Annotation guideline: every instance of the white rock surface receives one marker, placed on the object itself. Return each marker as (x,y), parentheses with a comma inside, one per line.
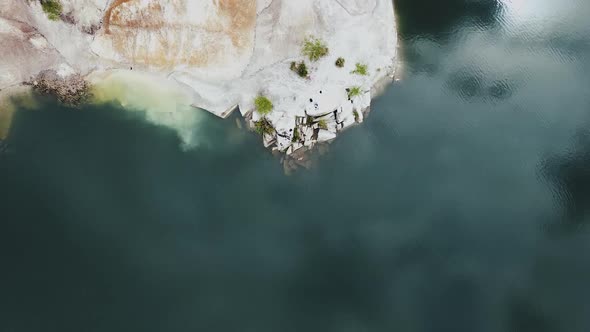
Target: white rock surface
(22,53)
(226,51)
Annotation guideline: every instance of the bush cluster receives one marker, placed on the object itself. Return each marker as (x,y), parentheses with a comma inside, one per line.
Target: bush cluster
(300,69)
(263,105)
(314,48)
(361,69)
(52,8)
(264,127)
(354,91)
(296,136)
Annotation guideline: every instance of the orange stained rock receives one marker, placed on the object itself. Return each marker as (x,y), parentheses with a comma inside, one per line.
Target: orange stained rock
(142,34)
(108,12)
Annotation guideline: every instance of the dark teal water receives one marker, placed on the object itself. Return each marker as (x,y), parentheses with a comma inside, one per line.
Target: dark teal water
(460,205)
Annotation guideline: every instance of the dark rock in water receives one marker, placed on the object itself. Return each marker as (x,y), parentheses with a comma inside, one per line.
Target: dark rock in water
(70,90)
(288,168)
(323,149)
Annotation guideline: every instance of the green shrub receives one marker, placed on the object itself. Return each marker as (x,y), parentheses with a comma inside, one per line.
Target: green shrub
(354,91)
(264,127)
(323,124)
(361,69)
(52,8)
(296,136)
(314,48)
(263,105)
(356,116)
(302,69)
(340,62)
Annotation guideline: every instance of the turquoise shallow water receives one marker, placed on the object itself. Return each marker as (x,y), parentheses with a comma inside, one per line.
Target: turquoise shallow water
(461,204)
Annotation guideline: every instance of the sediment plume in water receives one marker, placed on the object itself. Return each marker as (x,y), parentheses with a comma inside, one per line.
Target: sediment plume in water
(10,100)
(164,104)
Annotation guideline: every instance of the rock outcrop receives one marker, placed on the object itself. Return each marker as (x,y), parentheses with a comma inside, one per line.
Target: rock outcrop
(24,52)
(69,88)
(225,53)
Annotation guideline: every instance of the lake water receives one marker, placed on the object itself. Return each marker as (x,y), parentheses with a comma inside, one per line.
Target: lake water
(461,204)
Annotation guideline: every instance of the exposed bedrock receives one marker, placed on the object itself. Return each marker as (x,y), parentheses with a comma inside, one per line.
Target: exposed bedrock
(72,89)
(223,53)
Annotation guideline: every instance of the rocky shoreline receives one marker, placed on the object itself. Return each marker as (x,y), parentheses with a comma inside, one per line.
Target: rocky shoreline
(318,76)
(71,90)
(312,133)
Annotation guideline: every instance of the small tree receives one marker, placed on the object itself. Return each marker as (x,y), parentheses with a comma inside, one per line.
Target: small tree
(314,48)
(340,62)
(361,69)
(263,105)
(296,136)
(52,8)
(299,68)
(354,91)
(323,124)
(264,127)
